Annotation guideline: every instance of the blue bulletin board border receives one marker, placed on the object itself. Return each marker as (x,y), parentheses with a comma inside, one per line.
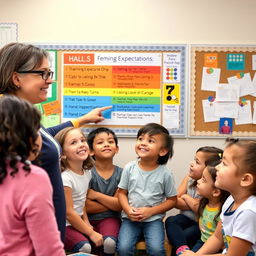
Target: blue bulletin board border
(130,131)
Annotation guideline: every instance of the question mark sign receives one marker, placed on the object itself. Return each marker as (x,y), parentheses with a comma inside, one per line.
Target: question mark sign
(171,88)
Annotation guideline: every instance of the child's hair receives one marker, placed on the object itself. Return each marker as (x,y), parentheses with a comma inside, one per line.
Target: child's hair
(245,160)
(91,136)
(19,125)
(154,129)
(213,154)
(61,138)
(223,194)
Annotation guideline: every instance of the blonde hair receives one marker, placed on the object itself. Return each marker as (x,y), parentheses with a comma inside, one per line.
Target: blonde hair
(61,138)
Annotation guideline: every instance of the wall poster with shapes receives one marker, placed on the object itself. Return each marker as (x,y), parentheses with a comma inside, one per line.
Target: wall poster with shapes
(222,91)
(142,83)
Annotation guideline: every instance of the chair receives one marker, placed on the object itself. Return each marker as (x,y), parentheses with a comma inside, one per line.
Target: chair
(141,246)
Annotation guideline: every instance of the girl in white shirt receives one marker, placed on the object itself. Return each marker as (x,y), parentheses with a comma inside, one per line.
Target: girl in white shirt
(75,165)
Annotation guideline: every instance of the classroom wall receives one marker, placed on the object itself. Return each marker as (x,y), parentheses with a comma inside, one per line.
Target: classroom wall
(137,22)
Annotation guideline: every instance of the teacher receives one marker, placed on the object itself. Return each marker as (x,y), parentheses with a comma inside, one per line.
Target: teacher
(25,72)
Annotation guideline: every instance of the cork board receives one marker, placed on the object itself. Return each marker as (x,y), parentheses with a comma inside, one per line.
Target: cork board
(198,127)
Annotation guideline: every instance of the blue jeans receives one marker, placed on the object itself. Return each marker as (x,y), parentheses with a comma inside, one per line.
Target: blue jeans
(181,230)
(131,232)
(198,245)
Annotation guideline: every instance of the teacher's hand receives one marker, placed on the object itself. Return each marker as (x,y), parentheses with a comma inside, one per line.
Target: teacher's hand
(94,116)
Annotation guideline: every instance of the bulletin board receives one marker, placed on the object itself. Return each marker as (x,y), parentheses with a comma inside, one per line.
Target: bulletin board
(234,71)
(142,83)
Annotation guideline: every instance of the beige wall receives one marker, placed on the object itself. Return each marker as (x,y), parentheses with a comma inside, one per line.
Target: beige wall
(136,22)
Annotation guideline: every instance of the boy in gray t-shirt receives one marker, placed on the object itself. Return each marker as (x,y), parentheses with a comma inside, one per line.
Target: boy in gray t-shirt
(102,203)
(146,192)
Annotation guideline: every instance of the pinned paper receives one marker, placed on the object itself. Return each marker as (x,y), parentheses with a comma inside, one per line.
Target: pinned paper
(211,60)
(208,110)
(226,125)
(245,83)
(253,62)
(227,109)
(244,113)
(235,61)
(53,107)
(227,92)
(210,78)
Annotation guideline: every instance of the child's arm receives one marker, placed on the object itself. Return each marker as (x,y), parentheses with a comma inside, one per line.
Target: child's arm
(110,202)
(94,206)
(212,245)
(238,247)
(193,203)
(146,212)
(131,212)
(182,189)
(77,222)
(181,204)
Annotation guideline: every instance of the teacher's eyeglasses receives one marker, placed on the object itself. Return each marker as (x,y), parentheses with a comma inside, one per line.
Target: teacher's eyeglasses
(44,73)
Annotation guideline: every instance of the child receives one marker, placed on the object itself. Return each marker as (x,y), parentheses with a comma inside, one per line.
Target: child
(75,165)
(183,229)
(210,204)
(102,204)
(147,191)
(237,227)
(27,224)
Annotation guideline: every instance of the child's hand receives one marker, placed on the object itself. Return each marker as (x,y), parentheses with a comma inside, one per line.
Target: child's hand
(184,196)
(92,194)
(133,214)
(97,238)
(188,253)
(144,213)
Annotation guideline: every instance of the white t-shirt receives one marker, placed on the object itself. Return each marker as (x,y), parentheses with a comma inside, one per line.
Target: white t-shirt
(79,185)
(240,223)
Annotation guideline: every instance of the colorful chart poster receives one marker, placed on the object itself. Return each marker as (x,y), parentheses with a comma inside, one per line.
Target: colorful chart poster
(128,81)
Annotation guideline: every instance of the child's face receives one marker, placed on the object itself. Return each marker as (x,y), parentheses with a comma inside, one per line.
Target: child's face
(104,146)
(150,146)
(197,166)
(205,185)
(75,147)
(228,177)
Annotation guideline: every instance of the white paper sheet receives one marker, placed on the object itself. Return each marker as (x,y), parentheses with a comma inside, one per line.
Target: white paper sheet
(171,115)
(210,81)
(208,110)
(245,83)
(244,114)
(226,109)
(227,92)
(254,113)
(254,84)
